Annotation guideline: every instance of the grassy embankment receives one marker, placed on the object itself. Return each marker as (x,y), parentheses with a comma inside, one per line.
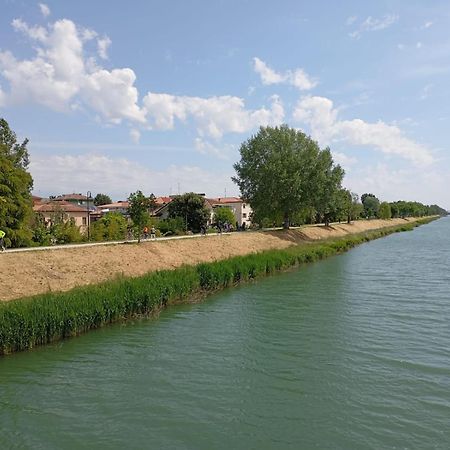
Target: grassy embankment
(46,318)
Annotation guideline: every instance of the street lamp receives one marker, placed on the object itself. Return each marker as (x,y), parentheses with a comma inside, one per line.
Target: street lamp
(88,197)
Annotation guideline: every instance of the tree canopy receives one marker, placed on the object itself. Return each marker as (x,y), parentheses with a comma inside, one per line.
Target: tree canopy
(371,205)
(191,208)
(102,199)
(282,171)
(138,211)
(15,188)
(223,215)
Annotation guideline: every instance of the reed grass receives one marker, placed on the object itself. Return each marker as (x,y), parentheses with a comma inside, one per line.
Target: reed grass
(42,319)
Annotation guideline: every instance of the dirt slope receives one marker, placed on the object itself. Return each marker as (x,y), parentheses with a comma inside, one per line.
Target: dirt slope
(30,273)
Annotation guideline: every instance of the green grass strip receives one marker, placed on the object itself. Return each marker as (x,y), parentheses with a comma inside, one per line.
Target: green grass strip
(42,319)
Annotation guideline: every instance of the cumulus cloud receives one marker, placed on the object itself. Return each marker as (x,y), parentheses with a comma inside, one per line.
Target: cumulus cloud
(343,159)
(65,75)
(102,46)
(120,176)
(298,77)
(212,116)
(373,24)
(322,118)
(60,76)
(45,10)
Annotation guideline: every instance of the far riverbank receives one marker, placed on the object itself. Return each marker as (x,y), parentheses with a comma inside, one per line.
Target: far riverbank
(32,273)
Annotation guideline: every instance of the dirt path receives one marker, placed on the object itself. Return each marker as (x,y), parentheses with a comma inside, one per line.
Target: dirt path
(29,273)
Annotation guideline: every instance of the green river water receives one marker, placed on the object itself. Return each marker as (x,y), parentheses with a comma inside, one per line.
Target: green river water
(348,353)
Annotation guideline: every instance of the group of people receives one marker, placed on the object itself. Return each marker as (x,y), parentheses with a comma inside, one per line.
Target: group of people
(152,233)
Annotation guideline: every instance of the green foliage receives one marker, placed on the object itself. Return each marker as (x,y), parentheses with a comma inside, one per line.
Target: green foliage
(343,206)
(191,208)
(15,188)
(415,209)
(357,209)
(46,318)
(41,232)
(371,205)
(282,170)
(169,227)
(223,215)
(385,211)
(111,227)
(102,199)
(65,232)
(138,211)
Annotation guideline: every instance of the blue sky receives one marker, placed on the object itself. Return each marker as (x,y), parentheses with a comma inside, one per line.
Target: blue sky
(159,95)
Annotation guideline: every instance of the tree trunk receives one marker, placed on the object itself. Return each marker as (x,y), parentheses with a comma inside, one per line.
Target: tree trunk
(286,222)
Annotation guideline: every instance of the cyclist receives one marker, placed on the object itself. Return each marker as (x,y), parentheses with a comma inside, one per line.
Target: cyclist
(2,240)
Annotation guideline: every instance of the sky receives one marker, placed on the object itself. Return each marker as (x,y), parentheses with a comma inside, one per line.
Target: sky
(159,95)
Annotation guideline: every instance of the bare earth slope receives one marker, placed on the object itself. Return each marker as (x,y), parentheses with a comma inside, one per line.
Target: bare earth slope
(30,273)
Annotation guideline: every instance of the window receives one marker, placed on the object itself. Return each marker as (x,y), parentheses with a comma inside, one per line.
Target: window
(84,221)
(243,205)
(244,215)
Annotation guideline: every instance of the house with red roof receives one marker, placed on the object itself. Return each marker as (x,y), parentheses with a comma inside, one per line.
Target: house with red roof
(63,210)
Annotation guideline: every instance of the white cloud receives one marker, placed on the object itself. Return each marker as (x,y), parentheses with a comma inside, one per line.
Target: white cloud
(322,118)
(213,116)
(102,47)
(298,78)
(62,77)
(207,148)
(120,176)
(373,24)
(113,94)
(135,135)
(45,10)
(344,160)
(391,184)
(419,45)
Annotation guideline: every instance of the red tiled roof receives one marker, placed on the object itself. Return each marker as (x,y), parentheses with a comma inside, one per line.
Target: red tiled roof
(163,200)
(71,197)
(54,206)
(223,200)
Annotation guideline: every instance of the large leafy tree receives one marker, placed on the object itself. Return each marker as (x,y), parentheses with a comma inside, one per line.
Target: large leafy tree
(282,171)
(191,208)
(111,227)
(371,205)
(138,211)
(102,199)
(15,188)
(223,215)
(385,211)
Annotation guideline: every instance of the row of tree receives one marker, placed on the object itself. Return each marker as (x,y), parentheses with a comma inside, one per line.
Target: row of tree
(284,175)
(287,178)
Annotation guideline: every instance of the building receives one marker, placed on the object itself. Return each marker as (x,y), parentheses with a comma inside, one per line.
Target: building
(120,207)
(241,209)
(63,210)
(75,199)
